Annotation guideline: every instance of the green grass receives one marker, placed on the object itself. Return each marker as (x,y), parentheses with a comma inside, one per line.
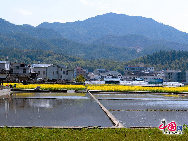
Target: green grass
(20,134)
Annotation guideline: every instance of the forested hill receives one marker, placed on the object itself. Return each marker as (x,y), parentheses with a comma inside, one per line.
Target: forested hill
(28,30)
(162,60)
(30,56)
(105,41)
(141,44)
(116,25)
(176,60)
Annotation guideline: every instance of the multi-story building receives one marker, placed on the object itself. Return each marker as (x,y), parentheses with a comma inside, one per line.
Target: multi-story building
(80,71)
(174,76)
(4,70)
(41,70)
(53,72)
(19,72)
(65,74)
(19,69)
(4,66)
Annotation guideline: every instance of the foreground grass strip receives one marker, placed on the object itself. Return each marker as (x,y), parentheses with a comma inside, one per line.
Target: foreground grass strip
(20,134)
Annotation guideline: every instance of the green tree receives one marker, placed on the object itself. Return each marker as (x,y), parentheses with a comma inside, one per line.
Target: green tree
(80,79)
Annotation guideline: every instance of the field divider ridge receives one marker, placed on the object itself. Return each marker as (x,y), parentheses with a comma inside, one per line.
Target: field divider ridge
(115,122)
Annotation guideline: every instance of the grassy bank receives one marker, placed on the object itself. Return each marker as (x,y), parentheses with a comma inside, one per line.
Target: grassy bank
(86,134)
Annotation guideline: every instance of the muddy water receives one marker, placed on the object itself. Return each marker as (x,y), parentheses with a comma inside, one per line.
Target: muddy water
(146,109)
(51,109)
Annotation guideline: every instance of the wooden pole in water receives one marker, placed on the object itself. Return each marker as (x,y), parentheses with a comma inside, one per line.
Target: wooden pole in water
(111,117)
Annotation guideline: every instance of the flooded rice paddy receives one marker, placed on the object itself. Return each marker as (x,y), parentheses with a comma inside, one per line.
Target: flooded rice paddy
(73,109)
(144,110)
(51,109)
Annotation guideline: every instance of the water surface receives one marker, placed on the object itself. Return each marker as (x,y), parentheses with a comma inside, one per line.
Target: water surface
(51,109)
(146,109)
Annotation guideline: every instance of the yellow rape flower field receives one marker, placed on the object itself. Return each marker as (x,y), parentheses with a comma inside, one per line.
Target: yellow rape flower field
(136,88)
(118,88)
(47,86)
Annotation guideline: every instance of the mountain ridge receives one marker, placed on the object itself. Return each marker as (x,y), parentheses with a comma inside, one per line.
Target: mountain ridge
(116,24)
(105,37)
(10,28)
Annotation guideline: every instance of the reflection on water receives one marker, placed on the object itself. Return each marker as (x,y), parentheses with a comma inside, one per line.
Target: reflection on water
(44,103)
(51,95)
(146,109)
(51,110)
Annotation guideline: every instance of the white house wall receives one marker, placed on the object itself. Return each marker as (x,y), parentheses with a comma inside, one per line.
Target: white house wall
(41,72)
(52,72)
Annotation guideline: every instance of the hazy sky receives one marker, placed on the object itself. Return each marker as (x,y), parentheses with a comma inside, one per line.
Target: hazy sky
(34,12)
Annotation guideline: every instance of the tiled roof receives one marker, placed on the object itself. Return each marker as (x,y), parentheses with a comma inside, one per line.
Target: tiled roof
(40,65)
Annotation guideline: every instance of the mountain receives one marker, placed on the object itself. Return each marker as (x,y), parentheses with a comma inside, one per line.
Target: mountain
(28,37)
(175,60)
(34,38)
(66,47)
(106,39)
(113,24)
(141,44)
(9,28)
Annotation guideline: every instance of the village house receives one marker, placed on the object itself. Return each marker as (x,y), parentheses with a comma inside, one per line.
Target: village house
(52,72)
(65,74)
(93,77)
(140,73)
(144,76)
(41,70)
(19,72)
(4,70)
(99,71)
(137,69)
(80,71)
(174,76)
(17,68)
(4,66)
(101,74)
(113,74)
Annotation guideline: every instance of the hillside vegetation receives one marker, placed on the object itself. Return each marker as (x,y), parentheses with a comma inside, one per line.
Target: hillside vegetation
(176,60)
(105,41)
(117,25)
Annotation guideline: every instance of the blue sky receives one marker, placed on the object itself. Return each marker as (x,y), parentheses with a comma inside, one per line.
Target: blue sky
(34,12)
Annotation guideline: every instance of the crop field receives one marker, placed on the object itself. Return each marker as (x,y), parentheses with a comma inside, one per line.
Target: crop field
(136,88)
(48,86)
(115,88)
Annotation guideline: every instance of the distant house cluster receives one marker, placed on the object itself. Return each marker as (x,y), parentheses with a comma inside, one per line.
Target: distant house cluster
(139,75)
(105,75)
(149,74)
(20,72)
(16,72)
